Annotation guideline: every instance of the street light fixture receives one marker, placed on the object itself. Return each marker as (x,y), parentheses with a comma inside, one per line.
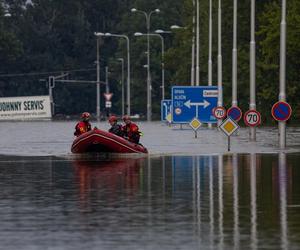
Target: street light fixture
(128,66)
(163,32)
(174,27)
(149,87)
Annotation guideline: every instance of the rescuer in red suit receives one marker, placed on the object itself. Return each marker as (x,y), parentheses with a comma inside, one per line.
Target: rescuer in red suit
(84,125)
(116,128)
(130,130)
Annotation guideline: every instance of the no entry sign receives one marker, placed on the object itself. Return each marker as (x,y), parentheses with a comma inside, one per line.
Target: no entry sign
(234,113)
(219,112)
(252,118)
(281,111)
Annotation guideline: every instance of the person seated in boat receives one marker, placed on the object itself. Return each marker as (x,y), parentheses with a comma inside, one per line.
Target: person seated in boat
(84,125)
(131,130)
(116,128)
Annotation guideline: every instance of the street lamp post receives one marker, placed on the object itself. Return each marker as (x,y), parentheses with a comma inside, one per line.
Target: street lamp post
(159,32)
(210,50)
(282,84)
(252,105)
(234,56)
(162,58)
(210,45)
(193,48)
(149,87)
(122,84)
(197,43)
(128,67)
(107,91)
(220,87)
(98,35)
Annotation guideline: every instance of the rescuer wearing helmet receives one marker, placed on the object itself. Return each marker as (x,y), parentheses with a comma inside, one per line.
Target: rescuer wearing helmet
(115,127)
(84,125)
(130,130)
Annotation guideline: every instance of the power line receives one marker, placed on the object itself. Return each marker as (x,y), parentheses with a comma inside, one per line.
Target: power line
(45,73)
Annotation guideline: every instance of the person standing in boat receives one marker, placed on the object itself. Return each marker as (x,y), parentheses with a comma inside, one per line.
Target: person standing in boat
(131,130)
(84,125)
(116,128)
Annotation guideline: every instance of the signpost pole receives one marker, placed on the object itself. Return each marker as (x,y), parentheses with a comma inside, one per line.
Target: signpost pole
(252,105)
(234,56)
(228,143)
(282,87)
(98,81)
(51,83)
(197,44)
(220,93)
(107,89)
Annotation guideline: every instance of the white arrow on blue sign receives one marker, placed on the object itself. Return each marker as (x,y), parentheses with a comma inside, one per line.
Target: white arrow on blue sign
(189,102)
(165,109)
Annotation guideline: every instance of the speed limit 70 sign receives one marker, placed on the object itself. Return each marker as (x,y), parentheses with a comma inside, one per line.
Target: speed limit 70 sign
(252,118)
(219,112)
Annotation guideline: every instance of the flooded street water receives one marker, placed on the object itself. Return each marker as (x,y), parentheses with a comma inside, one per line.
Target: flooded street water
(178,197)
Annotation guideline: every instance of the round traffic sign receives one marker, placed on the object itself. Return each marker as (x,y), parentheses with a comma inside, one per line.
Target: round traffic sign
(235,113)
(252,118)
(178,111)
(281,111)
(219,112)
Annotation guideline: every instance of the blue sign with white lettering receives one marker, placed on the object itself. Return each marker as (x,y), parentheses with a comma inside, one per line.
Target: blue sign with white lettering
(189,102)
(165,109)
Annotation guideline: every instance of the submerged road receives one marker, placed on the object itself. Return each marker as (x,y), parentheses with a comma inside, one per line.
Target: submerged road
(55,138)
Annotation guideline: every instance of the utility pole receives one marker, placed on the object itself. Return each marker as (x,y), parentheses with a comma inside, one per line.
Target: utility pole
(234,56)
(252,105)
(197,44)
(220,84)
(107,89)
(282,85)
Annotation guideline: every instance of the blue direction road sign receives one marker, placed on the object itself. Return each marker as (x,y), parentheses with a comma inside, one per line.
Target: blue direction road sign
(189,102)
(165,109)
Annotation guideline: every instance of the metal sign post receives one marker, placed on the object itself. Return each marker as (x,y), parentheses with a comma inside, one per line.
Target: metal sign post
(282,75)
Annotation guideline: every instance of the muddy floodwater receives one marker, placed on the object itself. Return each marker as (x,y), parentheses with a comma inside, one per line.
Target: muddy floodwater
(188,193)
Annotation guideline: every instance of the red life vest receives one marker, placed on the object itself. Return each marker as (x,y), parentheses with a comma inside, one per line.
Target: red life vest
(82,127)
(131,131)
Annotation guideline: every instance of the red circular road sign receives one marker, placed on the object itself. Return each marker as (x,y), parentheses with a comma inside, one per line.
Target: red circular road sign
(281,111)
(252,118)
(219,112)
(234,113)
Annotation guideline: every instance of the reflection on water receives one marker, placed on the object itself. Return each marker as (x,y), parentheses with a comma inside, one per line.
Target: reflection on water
(208,202)
(107,176)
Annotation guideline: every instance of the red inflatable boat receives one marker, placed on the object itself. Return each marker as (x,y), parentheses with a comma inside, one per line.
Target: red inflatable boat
(101,141)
